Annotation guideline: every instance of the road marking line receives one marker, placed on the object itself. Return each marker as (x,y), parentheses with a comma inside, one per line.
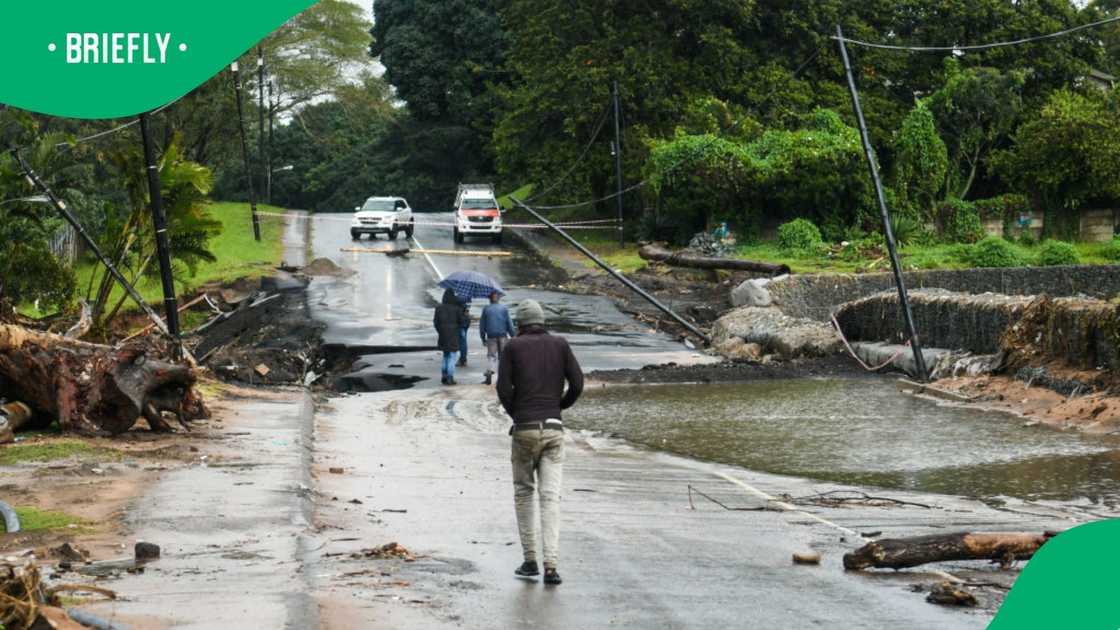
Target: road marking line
(786,506)
(439,274)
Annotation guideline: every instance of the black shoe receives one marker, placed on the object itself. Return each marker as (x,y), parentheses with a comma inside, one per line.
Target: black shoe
(527,570)
(444,380)
(451,380)
(487,381)
(461,363)
(551,576)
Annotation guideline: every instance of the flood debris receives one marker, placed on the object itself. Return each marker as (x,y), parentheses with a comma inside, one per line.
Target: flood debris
(26,603)
(948,594)
(901,553)
(95,389)
(809,558)
(8,516)
(838,498)
(657,253)
(145,551)
(385,552)
(13,415)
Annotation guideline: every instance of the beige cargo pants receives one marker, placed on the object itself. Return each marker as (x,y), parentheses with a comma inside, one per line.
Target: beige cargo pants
(538,462)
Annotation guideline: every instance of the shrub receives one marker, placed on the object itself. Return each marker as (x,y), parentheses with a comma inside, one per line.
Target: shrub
(993,251)
(799,235)
(959,221)
(1027,239)
(906,229)
(1055,253)
(1111,251)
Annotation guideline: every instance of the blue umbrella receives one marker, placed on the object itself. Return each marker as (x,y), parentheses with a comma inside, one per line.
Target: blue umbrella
(468,285)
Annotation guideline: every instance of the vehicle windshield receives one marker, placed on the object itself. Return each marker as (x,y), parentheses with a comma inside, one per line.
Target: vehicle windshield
(378,205)
(479,204)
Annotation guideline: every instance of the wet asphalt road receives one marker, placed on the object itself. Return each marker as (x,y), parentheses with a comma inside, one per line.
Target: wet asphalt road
(391,300)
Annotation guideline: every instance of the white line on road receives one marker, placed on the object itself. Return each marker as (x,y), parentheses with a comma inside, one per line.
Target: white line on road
(788,507)
(439,274)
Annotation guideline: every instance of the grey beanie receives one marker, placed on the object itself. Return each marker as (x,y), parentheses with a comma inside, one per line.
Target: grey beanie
(529,312)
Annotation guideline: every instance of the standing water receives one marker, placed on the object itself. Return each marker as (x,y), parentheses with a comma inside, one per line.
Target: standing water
(858,431)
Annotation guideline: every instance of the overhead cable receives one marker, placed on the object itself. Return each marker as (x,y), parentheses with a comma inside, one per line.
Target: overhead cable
(964,47)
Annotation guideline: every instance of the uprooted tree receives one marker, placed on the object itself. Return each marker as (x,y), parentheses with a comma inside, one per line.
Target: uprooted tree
(95,389)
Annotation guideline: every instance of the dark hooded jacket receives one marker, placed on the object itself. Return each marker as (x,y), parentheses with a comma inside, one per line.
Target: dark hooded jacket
(450,318)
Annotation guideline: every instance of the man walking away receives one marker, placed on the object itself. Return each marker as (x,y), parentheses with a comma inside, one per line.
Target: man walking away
(496,329)
(450,318)
(463,332)
(531,376)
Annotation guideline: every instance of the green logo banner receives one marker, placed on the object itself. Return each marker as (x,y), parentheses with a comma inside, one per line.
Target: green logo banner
(1068,583)
(83,59)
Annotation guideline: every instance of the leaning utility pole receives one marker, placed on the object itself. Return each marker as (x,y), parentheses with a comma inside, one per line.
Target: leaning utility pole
(618,163)
(896,265)
(159,223)
(245,151)
(60,207)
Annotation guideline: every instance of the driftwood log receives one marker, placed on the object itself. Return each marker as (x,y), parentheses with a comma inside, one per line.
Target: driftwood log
(901,553)
(94,389)
(659,254)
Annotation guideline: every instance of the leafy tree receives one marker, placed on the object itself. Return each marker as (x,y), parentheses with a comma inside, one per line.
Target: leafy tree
(921,161)
(1067,156)
(976,110)
(129,237)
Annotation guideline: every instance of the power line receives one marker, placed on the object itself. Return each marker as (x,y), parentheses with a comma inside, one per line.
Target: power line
(1015,42)
(645,182)
(578,160)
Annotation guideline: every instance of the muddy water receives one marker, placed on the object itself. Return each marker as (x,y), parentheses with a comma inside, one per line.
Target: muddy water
(859,431)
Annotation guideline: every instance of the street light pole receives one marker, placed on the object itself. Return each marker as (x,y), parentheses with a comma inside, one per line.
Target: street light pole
(618,163)
(260,116)
(159,223)
(271,112)
(245,151)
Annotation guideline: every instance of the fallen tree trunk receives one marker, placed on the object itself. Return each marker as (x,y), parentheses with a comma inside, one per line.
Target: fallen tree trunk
(94,389)
(901,553)
(660,254)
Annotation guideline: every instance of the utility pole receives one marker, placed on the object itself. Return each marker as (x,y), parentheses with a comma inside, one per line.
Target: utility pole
(618,162)
(60,207)
(896,265)
(245,151)
(159,223)
(268,154)
(260,116)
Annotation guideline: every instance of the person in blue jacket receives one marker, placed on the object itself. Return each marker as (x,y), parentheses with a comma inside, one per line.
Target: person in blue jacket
(496,329)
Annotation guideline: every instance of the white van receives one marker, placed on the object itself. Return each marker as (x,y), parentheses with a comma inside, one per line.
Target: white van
(477,213)
(382,215)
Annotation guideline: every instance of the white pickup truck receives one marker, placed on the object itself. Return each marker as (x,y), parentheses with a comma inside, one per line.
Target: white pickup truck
(477,213)
(382,215)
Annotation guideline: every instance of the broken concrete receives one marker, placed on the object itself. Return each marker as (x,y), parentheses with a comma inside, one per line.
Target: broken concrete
(751,293)
(777,333)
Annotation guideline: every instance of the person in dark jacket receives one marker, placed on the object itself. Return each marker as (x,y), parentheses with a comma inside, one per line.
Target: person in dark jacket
(532,372)
(463,333)
(449,319)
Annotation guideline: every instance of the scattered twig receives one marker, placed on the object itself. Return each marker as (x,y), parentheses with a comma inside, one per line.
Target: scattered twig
(70,588)
(830,499)
(723,505)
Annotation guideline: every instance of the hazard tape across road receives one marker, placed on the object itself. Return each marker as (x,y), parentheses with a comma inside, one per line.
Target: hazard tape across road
(595,224)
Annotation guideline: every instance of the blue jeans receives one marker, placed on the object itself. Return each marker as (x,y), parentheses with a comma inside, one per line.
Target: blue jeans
(449,364)
(463,342)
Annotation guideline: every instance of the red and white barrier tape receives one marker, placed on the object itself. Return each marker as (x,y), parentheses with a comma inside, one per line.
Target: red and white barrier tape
(596,224)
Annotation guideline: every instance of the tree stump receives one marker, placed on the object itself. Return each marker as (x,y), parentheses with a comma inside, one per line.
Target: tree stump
(94,389)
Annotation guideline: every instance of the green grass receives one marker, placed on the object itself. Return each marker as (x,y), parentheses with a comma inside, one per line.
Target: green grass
(521,193)
(914,257)
(604,244)
(33,519)
(53,450)
(238,255)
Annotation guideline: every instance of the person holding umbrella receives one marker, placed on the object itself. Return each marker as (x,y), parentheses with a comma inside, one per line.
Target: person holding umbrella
(468,285)
(449,319)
